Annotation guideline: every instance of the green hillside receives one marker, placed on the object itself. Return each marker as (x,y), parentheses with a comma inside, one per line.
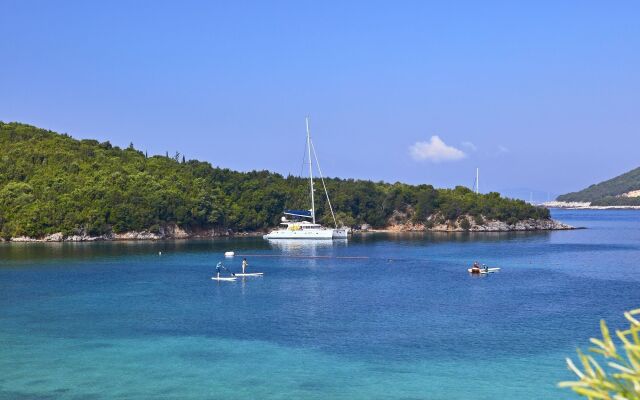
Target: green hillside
(608,193)
(51,183)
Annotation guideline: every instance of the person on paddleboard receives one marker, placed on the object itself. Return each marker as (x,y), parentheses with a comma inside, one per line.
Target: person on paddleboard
(244,264)
(220,267)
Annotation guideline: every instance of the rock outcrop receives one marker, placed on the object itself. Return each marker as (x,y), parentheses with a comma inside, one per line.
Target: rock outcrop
(469,224)
(167,232)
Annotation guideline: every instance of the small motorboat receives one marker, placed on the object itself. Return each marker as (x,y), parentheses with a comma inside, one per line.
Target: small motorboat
(476,269)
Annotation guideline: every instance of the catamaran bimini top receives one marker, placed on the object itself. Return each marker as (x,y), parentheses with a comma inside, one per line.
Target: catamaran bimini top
(299,213)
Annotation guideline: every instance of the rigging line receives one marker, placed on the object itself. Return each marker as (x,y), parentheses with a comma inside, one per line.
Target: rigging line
(304,157)
(323,185)
(293,180)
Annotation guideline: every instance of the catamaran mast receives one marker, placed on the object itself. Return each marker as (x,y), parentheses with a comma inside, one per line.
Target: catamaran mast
(313,206)
(477,180)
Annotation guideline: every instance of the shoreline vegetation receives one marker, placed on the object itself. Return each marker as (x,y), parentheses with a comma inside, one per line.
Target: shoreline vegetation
(57,188)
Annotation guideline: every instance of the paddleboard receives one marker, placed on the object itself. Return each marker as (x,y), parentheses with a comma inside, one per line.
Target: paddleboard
(483,271)
(224,278)
(250,274)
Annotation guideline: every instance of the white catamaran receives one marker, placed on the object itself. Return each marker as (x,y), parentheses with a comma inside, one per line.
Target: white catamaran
(296,224)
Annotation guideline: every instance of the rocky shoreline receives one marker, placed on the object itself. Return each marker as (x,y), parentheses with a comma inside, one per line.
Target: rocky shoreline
(486,226)
(173,232)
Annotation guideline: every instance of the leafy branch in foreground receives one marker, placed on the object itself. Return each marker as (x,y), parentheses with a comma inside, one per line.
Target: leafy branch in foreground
(619,379)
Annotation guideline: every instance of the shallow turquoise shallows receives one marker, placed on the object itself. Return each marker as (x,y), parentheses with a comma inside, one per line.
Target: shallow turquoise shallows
(120,321)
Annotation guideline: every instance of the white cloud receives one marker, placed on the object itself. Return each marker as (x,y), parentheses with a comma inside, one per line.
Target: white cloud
(502,149)
(435,150)
(470,146)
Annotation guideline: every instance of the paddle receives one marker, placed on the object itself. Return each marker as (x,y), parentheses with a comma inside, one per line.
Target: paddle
(227,269)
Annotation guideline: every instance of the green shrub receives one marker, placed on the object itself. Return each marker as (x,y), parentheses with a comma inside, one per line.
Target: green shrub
(465,224)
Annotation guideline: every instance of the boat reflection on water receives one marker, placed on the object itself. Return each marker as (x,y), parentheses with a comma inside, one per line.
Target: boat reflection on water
(307,247)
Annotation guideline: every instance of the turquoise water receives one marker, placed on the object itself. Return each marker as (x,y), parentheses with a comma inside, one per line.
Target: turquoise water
(116,320)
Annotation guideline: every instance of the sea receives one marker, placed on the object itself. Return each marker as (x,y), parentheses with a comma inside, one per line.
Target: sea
(382,316)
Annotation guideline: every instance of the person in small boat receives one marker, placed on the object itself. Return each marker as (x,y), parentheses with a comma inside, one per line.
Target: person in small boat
(475,267)
(245,264)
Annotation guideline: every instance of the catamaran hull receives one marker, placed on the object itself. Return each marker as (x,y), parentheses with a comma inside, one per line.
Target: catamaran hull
(340,233)
(315,234)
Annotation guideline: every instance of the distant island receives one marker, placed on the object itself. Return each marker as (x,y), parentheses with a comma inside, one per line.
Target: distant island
(54,187)
(623,191)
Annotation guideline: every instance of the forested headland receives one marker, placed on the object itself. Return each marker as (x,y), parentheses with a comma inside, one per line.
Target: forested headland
(623,190)
(51,183)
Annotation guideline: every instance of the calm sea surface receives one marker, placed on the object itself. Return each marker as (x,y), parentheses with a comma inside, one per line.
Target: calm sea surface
(116,320)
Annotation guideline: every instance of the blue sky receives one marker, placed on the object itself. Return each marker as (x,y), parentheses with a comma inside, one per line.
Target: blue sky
(542,96)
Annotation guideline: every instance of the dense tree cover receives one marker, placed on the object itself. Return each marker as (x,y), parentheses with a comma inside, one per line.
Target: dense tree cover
(608,192)
(617,201)
(53,183)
